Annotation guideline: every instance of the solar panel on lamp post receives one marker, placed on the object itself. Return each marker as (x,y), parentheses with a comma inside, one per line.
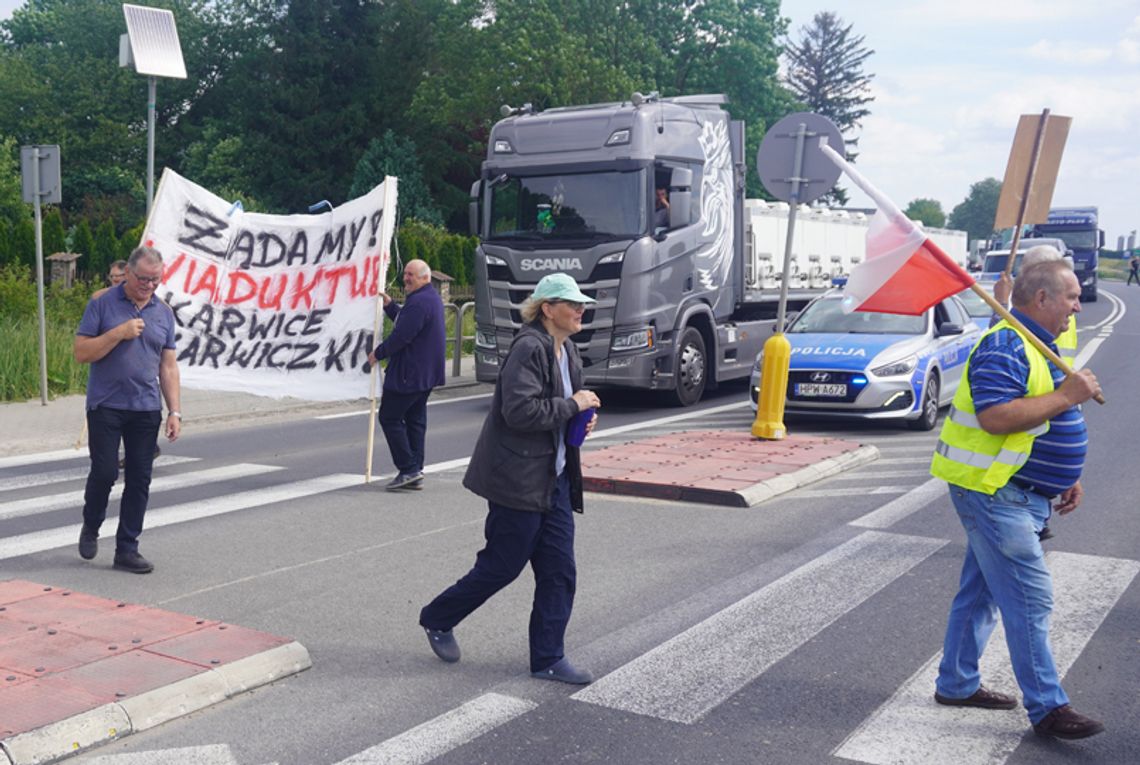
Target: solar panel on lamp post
(151,45)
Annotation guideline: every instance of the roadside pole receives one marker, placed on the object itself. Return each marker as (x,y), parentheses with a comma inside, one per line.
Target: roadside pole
(39,167)
(811,176)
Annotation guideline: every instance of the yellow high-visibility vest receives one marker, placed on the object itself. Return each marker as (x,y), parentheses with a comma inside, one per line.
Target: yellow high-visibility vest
(1067,342)
(968,456)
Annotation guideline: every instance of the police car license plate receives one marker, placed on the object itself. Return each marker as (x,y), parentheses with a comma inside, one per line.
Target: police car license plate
(835,390)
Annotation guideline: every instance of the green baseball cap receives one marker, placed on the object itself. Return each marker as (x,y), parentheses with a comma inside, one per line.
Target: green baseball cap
(559,287)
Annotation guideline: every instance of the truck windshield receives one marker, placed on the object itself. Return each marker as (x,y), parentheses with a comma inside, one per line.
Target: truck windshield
(1076,240)
(590,206)
(827,315)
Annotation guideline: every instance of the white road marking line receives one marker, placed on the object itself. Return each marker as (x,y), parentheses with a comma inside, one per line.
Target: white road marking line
(35,505)
(816,493)
(856,475)
(363,412)
(910,729)
(49,539)
(687,676)
(19,460)
(897,509)
(212,754)
(449,731)
(922,459)
(72,474)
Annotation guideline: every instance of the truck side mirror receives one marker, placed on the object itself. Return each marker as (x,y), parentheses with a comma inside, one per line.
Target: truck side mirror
(1101,238)
(680,203)
(680,197)
(473,209)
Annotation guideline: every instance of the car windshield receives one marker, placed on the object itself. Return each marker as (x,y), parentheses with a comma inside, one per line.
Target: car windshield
(827,315)
(590,206)
(975,305)
(995,262)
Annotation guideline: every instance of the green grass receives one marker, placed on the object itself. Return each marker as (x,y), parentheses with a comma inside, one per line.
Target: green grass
(20,360)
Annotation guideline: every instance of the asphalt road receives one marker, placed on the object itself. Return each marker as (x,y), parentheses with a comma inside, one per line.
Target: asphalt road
(798,631)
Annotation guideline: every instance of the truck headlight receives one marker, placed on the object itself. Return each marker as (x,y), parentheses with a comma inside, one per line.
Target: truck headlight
(759,362)
(484,338)
(493,261)
(631,341)
(895,368)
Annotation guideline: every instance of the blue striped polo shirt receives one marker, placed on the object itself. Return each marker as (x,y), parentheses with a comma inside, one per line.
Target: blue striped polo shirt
(999,373)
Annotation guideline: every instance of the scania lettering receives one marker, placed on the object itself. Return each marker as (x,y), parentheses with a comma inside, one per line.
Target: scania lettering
(550,264)
(687,291)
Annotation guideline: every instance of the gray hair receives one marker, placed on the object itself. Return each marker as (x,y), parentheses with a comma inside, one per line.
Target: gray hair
(117,264)
(1042,253)
(143,252)
(1047,275)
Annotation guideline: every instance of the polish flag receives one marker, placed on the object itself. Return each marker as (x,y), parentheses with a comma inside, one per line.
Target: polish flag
(904,272)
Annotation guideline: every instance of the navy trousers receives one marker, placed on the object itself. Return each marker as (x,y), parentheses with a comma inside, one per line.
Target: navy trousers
(403,418)
(138,432)
(515,537)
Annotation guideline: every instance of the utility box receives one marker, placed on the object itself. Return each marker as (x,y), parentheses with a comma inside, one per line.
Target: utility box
(63,267)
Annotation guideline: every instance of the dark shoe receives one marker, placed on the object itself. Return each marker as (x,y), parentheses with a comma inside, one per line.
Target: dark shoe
(443,644)
(1066,722)
(133,562)
(565,672)
(88,543)
(405,481)
(983,698)
(1045,533)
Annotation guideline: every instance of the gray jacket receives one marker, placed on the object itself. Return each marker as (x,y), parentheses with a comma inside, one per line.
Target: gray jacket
(513,461)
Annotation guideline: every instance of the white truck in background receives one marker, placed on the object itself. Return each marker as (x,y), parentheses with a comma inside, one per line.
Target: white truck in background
(826,244)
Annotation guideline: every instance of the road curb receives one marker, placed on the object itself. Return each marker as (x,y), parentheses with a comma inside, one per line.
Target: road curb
(826,468)
(119,719)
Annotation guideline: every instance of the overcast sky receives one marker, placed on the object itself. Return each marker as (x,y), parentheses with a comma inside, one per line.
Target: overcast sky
(951,79)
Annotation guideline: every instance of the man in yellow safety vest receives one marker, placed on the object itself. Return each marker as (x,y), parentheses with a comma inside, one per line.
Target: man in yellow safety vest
(1014,441)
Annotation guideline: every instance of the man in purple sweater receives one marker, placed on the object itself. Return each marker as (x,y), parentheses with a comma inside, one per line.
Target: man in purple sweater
(415,349)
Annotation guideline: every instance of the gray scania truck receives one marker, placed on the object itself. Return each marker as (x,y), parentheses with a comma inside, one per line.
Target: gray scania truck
(576,190)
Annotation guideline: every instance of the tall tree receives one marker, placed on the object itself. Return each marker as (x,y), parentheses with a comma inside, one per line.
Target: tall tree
(975,214)
(12,207)
(928,211)
(396,155)
(825,72)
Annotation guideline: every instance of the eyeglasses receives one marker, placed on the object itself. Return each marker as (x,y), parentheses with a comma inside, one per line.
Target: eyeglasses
(152,280)
(576,307)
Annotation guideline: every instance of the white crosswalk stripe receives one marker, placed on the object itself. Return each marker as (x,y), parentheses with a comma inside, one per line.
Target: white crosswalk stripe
(59,455)
(684,678)
(435,738)
(32,480)
(32,505)
(39,541)
(910,729)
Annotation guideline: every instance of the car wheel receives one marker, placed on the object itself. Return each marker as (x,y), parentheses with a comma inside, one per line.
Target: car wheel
(928,414)
(689,368)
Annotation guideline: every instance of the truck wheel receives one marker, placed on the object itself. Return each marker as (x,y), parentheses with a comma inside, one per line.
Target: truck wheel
(689,368)
(928,414)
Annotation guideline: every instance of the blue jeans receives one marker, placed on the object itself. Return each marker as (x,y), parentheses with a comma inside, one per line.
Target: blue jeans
(139,432)
(403,418)
(515,537)
(1004,571)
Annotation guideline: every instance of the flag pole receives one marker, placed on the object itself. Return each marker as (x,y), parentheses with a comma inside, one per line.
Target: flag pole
(888,207)
(386,239)
(1038,140)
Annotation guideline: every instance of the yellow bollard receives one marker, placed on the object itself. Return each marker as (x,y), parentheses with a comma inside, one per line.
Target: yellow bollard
(769,422)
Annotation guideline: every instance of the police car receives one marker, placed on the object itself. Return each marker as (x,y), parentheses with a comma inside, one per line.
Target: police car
(875,365)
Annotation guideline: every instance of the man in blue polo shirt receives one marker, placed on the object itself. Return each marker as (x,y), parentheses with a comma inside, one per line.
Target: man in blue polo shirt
(127,336)
(1014,441)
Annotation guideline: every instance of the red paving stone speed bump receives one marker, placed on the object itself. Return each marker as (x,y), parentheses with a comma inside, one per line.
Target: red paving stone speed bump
(78,670)
(718,467)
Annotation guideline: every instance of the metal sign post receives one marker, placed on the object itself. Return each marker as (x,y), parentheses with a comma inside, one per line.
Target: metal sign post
(39,166)
(792,143)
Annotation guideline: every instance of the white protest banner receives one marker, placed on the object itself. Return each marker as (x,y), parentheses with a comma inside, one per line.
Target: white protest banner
(275,305)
